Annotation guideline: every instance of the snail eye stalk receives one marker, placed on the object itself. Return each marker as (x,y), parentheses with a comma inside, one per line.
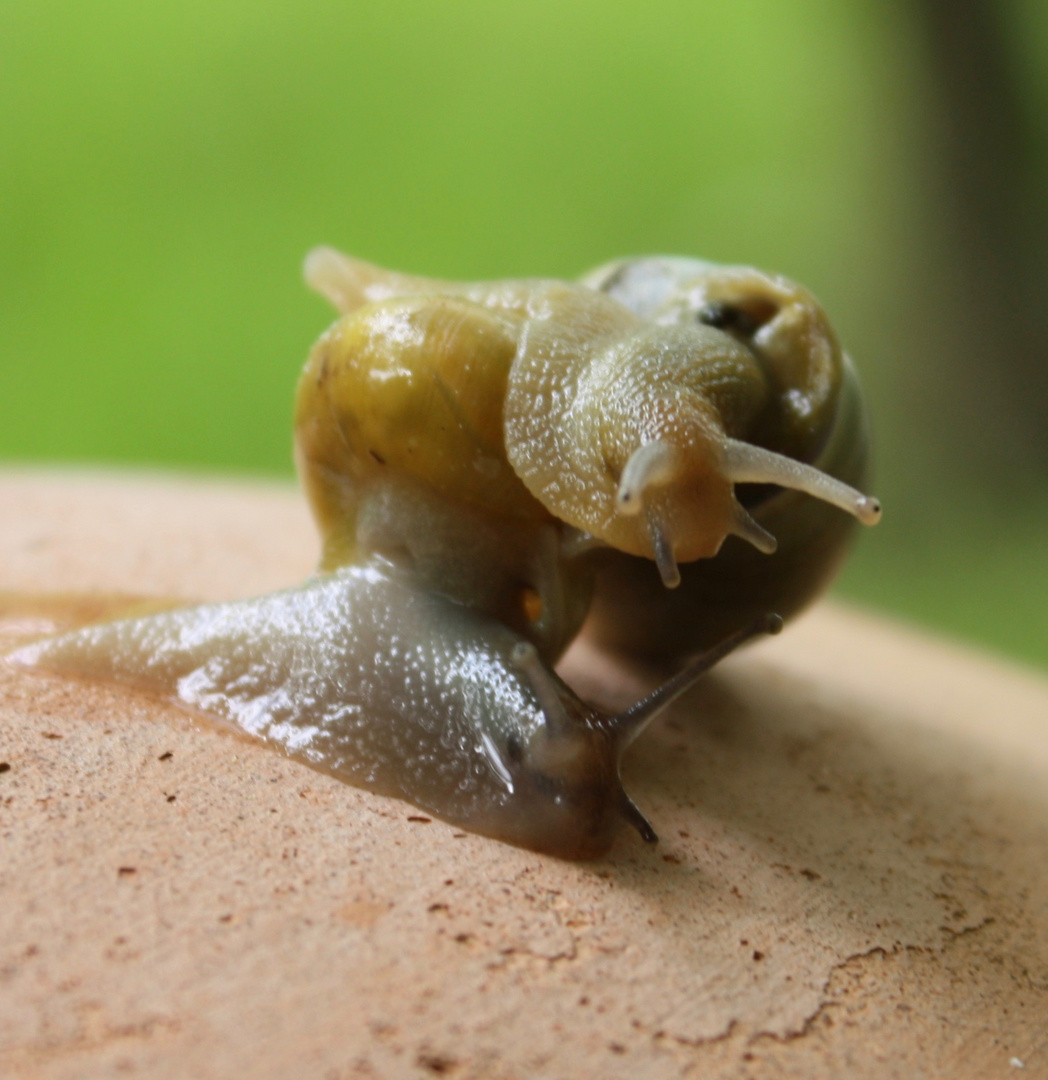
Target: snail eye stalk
(744,463)
(627,725)
(525,658)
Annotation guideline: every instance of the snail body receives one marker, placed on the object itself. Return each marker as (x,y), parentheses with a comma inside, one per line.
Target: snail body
(490,466)
(395,689)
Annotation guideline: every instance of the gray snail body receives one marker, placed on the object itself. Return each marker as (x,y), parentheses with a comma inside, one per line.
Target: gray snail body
(489,466)
(395,689)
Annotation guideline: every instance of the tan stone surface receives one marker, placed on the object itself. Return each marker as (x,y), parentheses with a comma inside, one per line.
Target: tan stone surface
(851,880)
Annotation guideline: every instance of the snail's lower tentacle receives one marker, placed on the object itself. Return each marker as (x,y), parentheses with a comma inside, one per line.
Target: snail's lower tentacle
(662,548)
(629,810)
(748,529)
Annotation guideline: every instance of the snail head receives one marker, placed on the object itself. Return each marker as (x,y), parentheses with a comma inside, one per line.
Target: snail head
(569,769)
(731,380)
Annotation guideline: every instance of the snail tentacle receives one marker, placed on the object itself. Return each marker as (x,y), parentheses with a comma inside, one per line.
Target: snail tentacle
(629,724)
(653,464)
(744,463)
(525,657)
(631,812)
(747,528)
(662,550)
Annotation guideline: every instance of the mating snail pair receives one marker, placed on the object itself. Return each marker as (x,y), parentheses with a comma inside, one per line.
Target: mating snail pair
(490,467)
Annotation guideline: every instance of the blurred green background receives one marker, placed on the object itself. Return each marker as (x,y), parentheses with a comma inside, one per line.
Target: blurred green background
(164,168)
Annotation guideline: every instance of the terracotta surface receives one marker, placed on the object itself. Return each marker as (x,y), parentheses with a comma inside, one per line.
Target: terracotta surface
(851,881)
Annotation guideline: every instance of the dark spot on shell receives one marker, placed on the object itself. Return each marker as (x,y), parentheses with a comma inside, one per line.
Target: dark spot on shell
(378,457)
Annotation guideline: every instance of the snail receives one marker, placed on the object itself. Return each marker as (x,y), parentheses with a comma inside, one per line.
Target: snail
(490,467)
(399,690)
(816,415)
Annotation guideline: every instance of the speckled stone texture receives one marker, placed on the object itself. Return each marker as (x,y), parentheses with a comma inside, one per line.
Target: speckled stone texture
(852,878)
